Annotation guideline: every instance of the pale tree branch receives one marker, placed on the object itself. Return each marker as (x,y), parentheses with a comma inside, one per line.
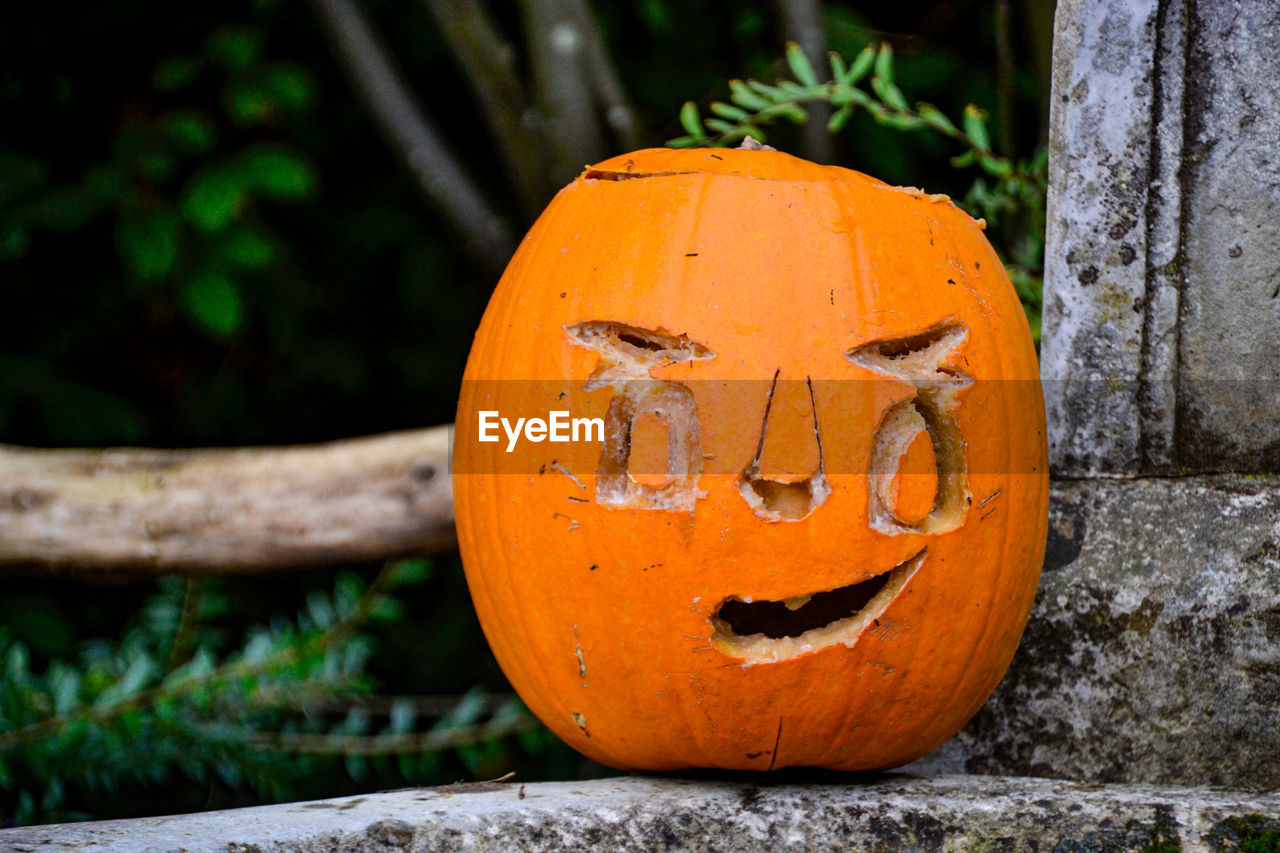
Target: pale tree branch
(802,24)
(612,97)
(414,136)
(567,111)
(1005,69)
(133,511)
(488,61)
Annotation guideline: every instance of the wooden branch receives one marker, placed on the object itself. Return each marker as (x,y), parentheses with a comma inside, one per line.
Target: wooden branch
(612,97)
(564,98)
(802,24)
(488,62)
(134,511)
(414,137)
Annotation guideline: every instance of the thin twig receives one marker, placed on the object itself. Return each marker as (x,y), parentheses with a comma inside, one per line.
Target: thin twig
(612,97)
(488,62)
(414,137)
(184,632)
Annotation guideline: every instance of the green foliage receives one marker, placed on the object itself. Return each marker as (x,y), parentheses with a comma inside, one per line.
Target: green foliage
(184,160)
(1010,197)
(268,707)
(1253,833)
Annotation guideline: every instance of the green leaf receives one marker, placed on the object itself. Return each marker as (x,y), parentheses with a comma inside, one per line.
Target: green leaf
(743,96)
(899,122)
(995,166)
(720,125)
(147,241)
(691,121)
(791,90)
(729,111)
(800,65)
(14,243)
(320,610)
(213,302)
(291,85)
(860,67)
(975,127)
(755,133)
(214,198)
(889,93)
(787,110)
(884,62)
(234,47)
(838,69)
(248,104)
(410,570)
(175,73)
(402,717)
(839,118)
(936,119)
(764,90)
(192,130)
(965,160)
(279,173)
(247,248)
(64,685)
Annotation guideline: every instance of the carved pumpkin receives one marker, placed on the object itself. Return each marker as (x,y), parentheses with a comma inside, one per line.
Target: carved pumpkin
(812,529)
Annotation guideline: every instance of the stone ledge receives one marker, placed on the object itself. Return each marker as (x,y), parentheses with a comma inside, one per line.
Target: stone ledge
(886,812)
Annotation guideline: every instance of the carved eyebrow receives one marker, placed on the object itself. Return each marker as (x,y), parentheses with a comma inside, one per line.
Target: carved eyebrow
(646,345)
(915,356)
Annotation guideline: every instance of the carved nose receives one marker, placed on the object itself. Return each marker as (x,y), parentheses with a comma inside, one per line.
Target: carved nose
(785,480)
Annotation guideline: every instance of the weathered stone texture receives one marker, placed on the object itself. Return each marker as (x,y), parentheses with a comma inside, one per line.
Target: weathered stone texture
(1095,259)
(1153,650)
(1229,336)
(889,813)
(1162,281)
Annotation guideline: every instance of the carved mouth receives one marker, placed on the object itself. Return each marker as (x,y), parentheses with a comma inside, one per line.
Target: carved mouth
(766,631)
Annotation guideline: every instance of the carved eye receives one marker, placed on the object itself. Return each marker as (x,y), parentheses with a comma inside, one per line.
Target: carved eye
(904,466)
(919,475)
(652,452)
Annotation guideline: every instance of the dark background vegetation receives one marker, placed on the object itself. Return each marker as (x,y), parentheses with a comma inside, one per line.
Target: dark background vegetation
(204,241)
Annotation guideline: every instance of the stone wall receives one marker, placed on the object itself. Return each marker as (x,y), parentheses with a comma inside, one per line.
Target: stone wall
(1153,651)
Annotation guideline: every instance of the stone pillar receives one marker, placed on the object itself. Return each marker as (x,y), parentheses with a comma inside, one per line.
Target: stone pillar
(1162,309)
(1153,652)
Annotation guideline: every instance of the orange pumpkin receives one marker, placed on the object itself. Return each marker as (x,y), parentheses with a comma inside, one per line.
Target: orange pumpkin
(812,529)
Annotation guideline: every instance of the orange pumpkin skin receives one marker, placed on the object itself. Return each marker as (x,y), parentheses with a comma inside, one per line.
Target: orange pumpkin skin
(607,617)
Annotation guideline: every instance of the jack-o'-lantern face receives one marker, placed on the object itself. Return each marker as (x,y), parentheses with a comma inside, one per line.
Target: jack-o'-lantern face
(808,524)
